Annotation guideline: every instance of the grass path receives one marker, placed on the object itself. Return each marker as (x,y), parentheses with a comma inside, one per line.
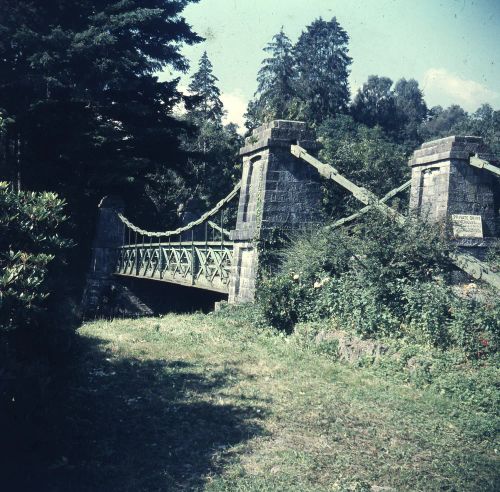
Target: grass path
(199,402)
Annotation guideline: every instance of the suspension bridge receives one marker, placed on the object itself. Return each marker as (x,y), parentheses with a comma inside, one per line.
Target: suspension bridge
(196,255)
(281,189)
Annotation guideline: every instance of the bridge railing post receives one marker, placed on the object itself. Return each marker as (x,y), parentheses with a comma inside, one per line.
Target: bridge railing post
(278,193)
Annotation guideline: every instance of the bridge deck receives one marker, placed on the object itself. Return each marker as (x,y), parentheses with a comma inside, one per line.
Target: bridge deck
(222,289)
(200,264)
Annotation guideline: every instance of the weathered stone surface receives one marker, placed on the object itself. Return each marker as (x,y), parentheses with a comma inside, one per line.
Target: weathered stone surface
(108,237)
(279,192)
(444,184)
(352,348)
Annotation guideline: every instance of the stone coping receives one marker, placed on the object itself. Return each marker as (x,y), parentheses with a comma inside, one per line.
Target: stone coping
(454,147)
(280,133)
(309,145)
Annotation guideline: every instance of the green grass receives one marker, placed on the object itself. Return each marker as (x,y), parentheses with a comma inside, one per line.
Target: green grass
(198,402)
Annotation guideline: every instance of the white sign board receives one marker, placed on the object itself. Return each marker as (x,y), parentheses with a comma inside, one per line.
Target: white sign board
(467,225)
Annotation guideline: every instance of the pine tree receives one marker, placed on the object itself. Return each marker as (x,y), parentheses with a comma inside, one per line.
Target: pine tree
(322,59)
(86,115)
(276,81)
(208,107)
(213,147)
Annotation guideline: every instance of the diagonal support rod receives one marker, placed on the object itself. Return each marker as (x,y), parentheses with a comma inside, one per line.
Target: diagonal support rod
(482,164)
(329,172)
(366,209)
(218,228)
(466,262)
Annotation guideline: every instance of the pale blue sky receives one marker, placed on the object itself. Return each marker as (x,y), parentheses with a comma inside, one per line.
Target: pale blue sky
(452,47)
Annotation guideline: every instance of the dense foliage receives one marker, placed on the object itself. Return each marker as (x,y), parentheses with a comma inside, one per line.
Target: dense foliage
(365,155)
(398,287)
(276,83)
(28,244)
(33,332)
(323,69)
(306,81)
(398,110)
(84,113)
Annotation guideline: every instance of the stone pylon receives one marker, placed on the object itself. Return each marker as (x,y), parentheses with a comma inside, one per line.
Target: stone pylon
(108,237)
(446,188)
(279,193)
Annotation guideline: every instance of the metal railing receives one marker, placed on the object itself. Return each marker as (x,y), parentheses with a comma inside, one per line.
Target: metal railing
(198,254)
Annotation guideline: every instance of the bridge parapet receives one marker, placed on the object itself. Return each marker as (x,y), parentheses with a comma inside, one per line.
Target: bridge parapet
(278,192)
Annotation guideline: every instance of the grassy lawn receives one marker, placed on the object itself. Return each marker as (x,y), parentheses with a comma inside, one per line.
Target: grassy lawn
(190,402)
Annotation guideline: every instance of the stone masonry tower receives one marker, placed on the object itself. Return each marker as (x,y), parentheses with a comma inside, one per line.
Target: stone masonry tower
(446,187)
(278,192)
(109,236)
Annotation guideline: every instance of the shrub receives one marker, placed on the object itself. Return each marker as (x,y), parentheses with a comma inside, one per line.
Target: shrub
(28,244)
(284,300)
(29,335)
(427,309)
(475,326)
(380,279)
(352,274)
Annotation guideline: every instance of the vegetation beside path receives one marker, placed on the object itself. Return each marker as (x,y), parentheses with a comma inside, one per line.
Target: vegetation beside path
(190,402)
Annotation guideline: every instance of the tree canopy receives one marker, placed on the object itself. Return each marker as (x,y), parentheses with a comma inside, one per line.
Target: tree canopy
(208,105)
(84,113)
(375,104)
(322,59)
(212,146)
(276,81)
(308,80)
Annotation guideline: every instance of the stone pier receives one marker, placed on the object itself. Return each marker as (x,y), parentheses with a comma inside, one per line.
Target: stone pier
(445,187)
(105,295)
(279,192)
(108,237)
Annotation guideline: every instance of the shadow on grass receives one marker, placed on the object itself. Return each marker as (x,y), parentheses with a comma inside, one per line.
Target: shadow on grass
(126,424)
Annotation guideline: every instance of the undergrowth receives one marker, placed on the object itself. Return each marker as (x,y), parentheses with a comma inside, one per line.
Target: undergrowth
(378,279)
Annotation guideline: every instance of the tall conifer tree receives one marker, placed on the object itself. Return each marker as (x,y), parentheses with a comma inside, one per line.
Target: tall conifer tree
(321,56)
(85,114)
(209,107)
(214,147)
(275,89)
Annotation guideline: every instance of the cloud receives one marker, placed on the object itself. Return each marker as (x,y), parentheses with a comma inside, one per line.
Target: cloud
(235,104)
(445,87)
